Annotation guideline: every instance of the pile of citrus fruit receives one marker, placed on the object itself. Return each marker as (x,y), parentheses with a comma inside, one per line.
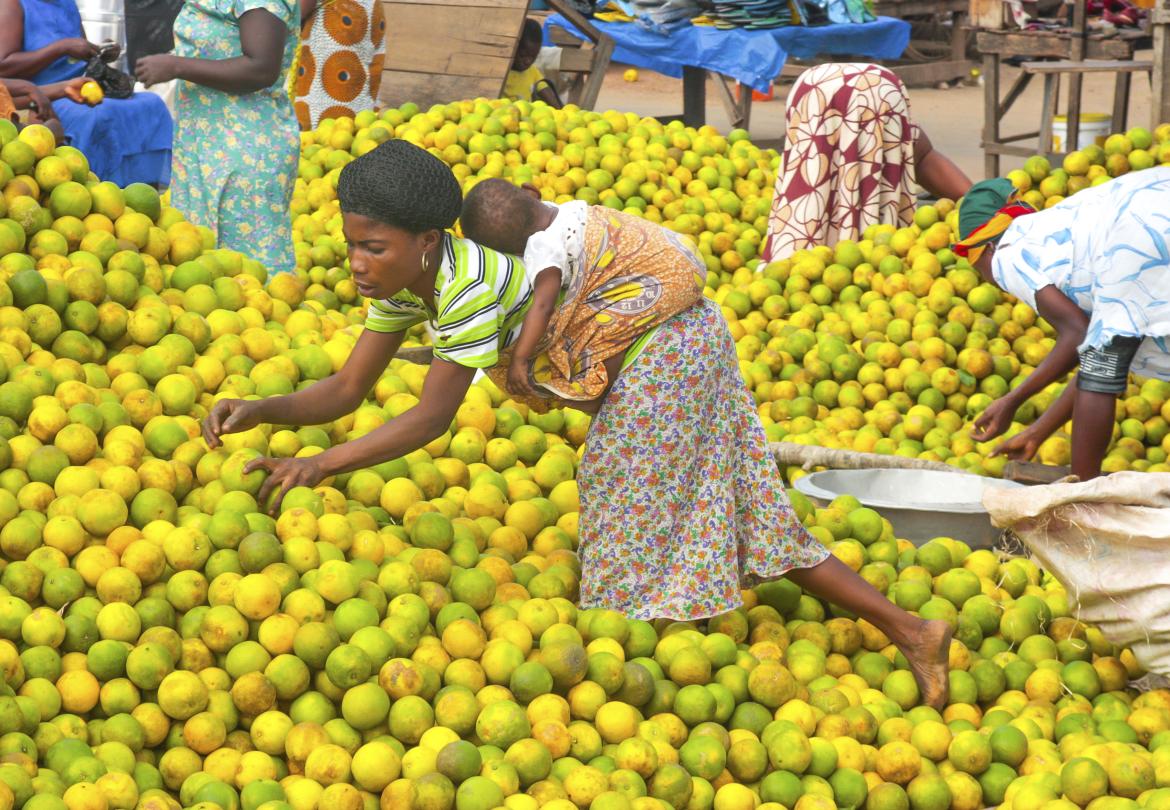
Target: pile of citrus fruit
(406,636)
(888,345)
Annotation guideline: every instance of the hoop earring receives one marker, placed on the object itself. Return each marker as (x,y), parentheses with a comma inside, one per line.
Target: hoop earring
(425,264)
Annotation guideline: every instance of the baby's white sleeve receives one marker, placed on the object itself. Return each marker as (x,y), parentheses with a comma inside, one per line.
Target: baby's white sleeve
(545,249)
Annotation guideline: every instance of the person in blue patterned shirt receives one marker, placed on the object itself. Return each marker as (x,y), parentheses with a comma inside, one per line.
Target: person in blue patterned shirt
(1097,268)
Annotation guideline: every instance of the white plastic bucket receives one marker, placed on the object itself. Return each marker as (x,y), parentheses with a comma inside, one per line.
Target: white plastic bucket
(1095,128)
(102,21)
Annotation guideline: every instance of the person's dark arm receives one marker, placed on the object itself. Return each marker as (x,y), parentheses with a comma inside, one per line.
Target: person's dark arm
(21,64)
(443,392)
(70,89)
(1094,415)
(535,327)
(544,301)
(937,173)
(26,95)
(1070,324)
(1025,444)
(262,38)
(308,9)
(324,401)
(545,93)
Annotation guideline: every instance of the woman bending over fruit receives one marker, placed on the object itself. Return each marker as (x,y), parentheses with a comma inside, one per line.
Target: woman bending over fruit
(1095,267)
(681,505)
(853,159)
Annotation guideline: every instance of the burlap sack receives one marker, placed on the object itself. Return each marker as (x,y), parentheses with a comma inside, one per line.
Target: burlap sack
(1108,542)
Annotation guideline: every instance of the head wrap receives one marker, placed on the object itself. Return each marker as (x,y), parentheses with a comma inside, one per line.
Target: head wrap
(402,185)
(985,213)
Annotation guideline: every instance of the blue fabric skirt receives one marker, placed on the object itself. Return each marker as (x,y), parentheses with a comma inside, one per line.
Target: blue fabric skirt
(126,140)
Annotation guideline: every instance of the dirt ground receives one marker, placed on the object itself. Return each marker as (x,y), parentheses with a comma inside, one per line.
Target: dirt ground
(953,117)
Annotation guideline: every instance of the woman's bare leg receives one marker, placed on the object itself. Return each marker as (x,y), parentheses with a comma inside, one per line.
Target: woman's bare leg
(926,644)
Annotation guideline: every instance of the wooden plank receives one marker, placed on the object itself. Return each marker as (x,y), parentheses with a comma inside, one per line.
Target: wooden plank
(591,89)
(1089,66)
(1076,80)
(589,63)
(1048,110)
(1014,92)
(1160,90)
(986,14)
(1027,472)
(577,20)
(1121,87)
(425,89)
(919,8)
(470,60)
(931,73)
(990,107)
(1003,149)
(1023,136)
(960,35)
(560,36)
(576,60)
(1035,44)
(479,42)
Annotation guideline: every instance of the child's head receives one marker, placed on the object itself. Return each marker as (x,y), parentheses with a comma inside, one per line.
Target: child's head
(500,216)
(531,39)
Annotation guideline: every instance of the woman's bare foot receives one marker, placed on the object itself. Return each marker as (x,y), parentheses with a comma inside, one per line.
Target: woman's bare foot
(928,652)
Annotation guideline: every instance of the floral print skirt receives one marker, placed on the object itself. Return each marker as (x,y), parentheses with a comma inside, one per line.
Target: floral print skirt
(681,504)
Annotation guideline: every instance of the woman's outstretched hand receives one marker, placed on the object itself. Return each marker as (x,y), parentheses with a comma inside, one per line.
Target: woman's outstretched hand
(1021,447)
(78,48)
(995,420)
(518,382)
(230,416)
(156,69)
(283,475)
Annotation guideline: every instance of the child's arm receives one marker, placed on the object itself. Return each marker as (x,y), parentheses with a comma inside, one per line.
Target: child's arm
(544,92)
(613,367)
(324,401)
(544,301)
(443,392)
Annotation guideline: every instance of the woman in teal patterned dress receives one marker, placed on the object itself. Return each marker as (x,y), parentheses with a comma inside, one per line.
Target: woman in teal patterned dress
(237,141)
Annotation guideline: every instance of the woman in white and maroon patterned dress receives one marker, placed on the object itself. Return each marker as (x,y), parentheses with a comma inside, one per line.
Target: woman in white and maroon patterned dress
(852,159)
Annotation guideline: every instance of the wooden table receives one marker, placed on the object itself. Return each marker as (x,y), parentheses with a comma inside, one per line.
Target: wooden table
(1091,52)
(736,56)
(918,68)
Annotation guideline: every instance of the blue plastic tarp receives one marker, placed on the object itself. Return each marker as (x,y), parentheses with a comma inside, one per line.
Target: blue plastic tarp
(752,58)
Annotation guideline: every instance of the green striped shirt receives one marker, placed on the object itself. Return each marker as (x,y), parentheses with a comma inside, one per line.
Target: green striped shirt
(480,296)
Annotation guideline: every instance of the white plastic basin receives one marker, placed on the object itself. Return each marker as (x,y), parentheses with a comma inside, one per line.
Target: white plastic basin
(921,504)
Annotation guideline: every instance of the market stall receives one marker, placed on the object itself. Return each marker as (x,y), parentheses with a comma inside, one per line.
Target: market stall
(1069,51)
(940,35)
(752,58)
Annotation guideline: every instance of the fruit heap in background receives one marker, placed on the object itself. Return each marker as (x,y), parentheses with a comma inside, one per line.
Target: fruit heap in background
(889,345)
(406,636)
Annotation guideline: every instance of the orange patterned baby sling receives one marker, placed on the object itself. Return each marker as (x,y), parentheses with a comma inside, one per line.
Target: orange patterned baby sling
(7,106)
(634,276)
